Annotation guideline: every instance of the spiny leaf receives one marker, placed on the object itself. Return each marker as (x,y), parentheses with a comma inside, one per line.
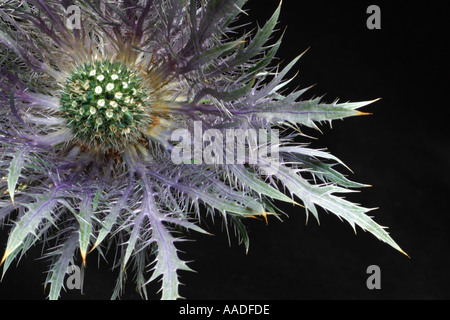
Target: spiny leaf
(111,218)
(242,232)
(140,267)
(26,244)
(29,222)
(325,172)
(183,222)
(15,169)
(216,11)
(310,152)
(266,60)
(225,96)
(167,262)
(252,181)
(22,248)
(306,112)
(84,218)
(211,54)
(219,197)
(137,224)
(64,257)
(323,196)
(254,47)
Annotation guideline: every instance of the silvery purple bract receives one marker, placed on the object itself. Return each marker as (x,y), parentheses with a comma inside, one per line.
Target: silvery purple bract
(88,109)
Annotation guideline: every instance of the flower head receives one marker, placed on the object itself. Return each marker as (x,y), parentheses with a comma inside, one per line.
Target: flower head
(90,140)
(94,92)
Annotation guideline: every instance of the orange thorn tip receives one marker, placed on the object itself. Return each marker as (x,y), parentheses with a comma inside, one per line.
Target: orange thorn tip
(371,101)
(12,200)
(93,247)
(83,257)
(264,214)
(305,51)
(5,255)
(298,204)
(405,253)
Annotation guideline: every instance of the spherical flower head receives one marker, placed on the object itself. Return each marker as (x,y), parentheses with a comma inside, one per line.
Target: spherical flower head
(85,99)
(123,125)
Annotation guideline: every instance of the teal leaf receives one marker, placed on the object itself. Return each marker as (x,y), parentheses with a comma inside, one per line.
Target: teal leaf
(137,223)
(324,196)
(252,181)
(224,95)
(167,262)
(63,258)
(306,112)
(242,231)
(211,54)
(21,250)
(255,46)
(85,220)
(217,196)
(217,15)
(31,219)
(111,219)
(325,172)
(15,169)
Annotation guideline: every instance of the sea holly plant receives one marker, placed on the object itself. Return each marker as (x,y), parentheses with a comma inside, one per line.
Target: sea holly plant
(87,122)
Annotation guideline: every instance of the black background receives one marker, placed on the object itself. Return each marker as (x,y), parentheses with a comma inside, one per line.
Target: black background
(401,150)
